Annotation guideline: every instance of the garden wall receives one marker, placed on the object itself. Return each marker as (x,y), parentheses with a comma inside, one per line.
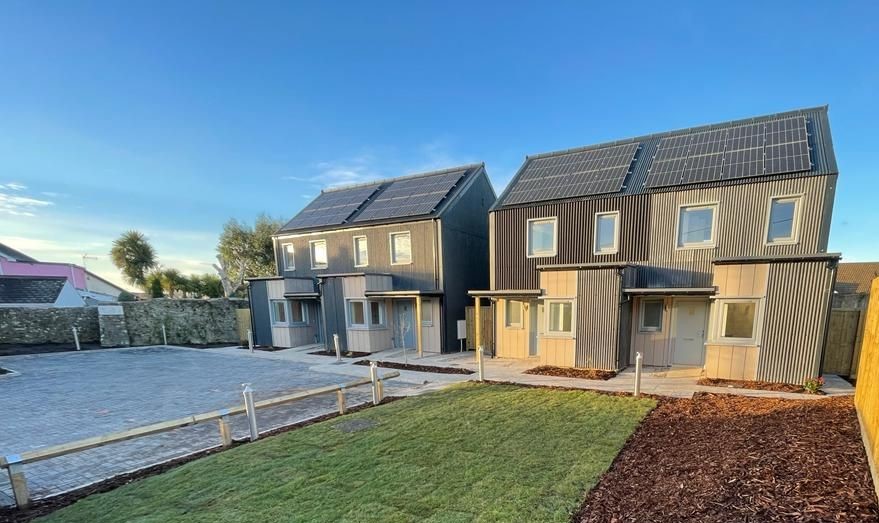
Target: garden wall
(38,326)
(867,390)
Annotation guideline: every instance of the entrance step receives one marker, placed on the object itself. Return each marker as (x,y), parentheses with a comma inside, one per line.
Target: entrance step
(683,371)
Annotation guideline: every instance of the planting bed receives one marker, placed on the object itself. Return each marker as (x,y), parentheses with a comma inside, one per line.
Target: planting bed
(568,372)
(417,368)
(754,385)
(719,458)
(349,354)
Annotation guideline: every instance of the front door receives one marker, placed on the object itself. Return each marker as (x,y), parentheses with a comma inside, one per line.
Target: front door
(404,324)
(535,314)
(690,323)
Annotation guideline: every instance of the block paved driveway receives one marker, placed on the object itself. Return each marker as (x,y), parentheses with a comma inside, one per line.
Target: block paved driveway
(59,398)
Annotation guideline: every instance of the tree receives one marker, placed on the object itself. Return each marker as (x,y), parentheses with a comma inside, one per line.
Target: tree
(134,256)
(246,252)
(153,284)
(125,296)
(173,282)
(206,285)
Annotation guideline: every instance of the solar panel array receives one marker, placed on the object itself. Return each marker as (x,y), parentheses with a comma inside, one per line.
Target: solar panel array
(775,147)
(332,207)
(582,173)
(411,196)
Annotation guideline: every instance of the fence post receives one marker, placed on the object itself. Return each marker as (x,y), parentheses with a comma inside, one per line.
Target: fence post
(338,349)
(164,335)
(373,375)
(251,411)
(18,481)
(638,359)
(480,356)
(250,340)
(340,397)
(225,431)
(76,338)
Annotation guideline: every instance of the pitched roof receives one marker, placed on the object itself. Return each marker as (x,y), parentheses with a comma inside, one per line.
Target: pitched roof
(623,167)
(31,289)
(8,252)
(854,278)
(392,200)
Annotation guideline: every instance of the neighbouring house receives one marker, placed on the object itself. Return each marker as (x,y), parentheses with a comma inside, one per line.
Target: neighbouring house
(853,280)
(38,291)
(703,248)
(92,288)
(361,261)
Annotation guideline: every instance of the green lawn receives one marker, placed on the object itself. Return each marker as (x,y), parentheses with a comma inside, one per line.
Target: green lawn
(469,453)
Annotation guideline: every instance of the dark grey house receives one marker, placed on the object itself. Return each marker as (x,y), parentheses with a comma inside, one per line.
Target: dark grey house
(362,261)
(704,248)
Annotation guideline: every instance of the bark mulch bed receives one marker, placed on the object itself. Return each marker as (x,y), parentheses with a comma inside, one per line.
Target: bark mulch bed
(417,368)
(349,354)
(45,506)
(722,458)
(754,385)
(568,372)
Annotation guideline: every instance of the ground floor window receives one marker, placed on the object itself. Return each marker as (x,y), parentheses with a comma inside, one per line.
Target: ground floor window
(513,314)
(376,313)
(737,320)
(298,312)
(651,315)
(279,311)
(366,314)
(559,317)
(427,313)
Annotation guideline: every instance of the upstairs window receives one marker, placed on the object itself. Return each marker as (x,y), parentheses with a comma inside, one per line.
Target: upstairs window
(542,237)
(361,252)
(696,226)
(560,318)
(318,254)
(289,258)
(784,218)
(607,233)
(401,248)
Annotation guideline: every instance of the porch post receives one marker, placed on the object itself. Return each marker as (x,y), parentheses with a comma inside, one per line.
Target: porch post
(477,313)
(418,325)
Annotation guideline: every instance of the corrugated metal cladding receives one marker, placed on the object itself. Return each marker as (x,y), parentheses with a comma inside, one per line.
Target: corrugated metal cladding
(795,316)
(742,216)
(598,319)
(421,274)
(514,270)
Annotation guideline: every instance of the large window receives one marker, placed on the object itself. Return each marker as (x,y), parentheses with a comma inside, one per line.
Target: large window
(542,237)
(366,314)
(696,226)
(361,252)
(784,218)
(513,314)
(651,315)
(279,311)
(607,233)
(318,250)
(401,248)
(737,320)
(559,319)
(298,312)
(289,258)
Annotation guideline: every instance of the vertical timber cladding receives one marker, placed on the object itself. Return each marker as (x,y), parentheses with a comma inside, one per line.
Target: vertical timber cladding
(512,268)
(600,313)
(742,214)
(794,321)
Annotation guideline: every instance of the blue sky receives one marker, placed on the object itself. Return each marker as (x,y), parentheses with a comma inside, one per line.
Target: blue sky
(172,117)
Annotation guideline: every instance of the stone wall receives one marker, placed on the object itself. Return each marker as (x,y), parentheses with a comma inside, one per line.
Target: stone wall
(38,326)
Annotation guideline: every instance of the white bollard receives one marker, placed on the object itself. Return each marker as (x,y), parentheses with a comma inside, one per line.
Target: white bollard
(251,411)
(373,375)
(480,357)
(338,348)
(250,340)
(76,338)
(164,335)
(638,359)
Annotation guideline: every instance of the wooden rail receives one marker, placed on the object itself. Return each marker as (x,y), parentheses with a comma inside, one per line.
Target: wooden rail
(14,462)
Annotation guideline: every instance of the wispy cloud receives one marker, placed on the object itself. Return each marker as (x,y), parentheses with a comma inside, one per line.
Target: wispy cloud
(19,205)
(13,186)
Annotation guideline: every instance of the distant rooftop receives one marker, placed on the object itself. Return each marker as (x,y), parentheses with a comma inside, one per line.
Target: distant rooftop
(856,277)
(31,289)
(14,255)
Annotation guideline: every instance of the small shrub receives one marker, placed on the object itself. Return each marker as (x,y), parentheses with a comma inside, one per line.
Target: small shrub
(813,385)
(125,296)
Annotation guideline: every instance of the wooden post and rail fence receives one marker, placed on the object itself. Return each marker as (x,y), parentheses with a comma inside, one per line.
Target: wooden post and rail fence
(867,389)
(14,463)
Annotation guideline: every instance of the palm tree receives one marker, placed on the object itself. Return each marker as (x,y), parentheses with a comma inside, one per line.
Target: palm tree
(134,256)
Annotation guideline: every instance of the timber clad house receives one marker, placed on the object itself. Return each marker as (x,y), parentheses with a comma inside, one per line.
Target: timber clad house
(364,261)
(704,248)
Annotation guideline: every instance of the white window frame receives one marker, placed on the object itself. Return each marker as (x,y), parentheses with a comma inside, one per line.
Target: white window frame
(367,314)
(547,313)
(427,305)
(311,245)
(381,314)
(391,247)
(358,262)
(274,314)
(642,315)
(714,218)
(795,226)
(507,323)
(555,237)
(719,320)
(289,257)
(616,233)
(302,307)
(349,320)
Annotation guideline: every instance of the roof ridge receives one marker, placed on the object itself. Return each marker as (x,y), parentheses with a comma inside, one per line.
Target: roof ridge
(382,181)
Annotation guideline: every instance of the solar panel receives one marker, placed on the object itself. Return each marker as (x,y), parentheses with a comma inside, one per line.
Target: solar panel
(743,156)
(411,196)
(705,162)
(787,146)
(331,207)
(594,171)
(668,163)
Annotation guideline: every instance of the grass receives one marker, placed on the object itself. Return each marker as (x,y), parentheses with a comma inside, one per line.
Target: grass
(469,453)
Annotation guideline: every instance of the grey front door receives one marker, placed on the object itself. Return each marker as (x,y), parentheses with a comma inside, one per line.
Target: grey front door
(690,321)
(404,323)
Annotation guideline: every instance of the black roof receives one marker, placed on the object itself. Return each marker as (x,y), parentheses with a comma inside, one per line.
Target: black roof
(393,200)
(31,289)
(635,179)
(9,252)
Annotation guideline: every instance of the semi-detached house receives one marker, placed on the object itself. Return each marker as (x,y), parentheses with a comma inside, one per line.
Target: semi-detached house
(364,261)
(703,248)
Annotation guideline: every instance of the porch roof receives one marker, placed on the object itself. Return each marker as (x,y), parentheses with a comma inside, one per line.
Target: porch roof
(506,293)
(671,291)
(402,293)
(302,295)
